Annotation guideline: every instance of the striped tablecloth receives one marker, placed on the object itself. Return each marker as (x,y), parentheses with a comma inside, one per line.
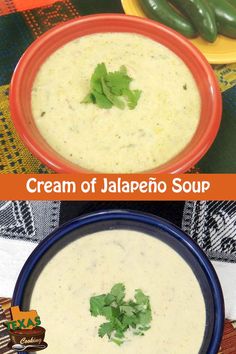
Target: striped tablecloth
(4,336)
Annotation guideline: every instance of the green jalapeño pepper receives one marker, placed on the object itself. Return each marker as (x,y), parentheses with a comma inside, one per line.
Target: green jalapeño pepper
(162,11)
(225,17)
(201,15)
(232,2)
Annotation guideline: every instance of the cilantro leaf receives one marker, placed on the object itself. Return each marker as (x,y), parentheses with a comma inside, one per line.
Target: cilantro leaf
(130,321)
(105,329)
(128,310)
(133,315)
(132,97)
(117,341)
(118,81)
(108,89)
(107,311)
(102,100)
(140,297)
(118,291)
(117,102)
(109,299)
(145,318)
(99,72)
(96,305)
(89,98)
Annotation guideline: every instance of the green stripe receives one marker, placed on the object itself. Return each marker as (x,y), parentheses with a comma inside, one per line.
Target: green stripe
(88,7)
(221,157)
(15,38)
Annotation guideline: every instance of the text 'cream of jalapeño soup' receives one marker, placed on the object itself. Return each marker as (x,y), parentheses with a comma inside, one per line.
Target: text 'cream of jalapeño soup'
(91,266)
(105,134)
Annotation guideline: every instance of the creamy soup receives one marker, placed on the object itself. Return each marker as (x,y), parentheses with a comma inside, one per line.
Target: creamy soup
(91,266)
(114,140)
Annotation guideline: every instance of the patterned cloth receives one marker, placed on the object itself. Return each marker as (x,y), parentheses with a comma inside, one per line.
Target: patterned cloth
(21,26)
(212,226)
(4,335)
(23,224)
(28,220)
(226,75)
(9,6)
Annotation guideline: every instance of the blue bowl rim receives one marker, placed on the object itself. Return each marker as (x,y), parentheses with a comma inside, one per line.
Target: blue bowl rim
(145,218)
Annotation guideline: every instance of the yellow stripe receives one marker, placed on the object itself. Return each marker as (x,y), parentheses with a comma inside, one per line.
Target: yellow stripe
(226,75)
(15,157)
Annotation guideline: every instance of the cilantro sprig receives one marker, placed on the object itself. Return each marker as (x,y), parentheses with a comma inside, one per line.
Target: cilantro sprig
(121,315)
(108,89)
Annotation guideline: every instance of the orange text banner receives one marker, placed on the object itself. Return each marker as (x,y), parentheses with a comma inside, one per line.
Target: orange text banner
(118,187)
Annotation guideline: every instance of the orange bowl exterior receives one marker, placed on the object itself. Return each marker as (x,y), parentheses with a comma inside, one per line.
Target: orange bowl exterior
(44,46)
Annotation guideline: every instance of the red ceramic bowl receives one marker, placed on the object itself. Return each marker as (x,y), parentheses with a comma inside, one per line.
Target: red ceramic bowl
(38,52)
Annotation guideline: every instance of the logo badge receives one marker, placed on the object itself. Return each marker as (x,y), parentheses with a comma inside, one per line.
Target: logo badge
(25,330)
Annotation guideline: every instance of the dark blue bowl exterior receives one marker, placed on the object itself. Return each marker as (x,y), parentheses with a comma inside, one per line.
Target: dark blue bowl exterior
(146,220)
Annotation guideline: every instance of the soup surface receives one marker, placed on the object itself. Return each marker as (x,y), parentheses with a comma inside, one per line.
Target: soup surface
(91,266)
(114,140)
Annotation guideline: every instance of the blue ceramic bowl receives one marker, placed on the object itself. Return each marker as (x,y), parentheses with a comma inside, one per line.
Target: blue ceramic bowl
(148,224)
